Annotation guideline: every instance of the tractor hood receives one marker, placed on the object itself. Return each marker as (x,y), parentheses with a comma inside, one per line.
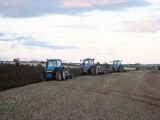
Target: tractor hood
(50,68)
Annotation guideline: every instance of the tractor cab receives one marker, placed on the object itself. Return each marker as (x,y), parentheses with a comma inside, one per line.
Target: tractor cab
(88,62)
(53,63)
(88,66)
(117,66)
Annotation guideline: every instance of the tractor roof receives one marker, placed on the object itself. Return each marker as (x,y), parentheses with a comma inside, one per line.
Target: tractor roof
(88,59)
(117,61)
(54,60)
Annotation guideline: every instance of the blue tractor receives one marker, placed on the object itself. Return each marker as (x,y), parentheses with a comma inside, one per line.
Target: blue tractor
(55,70)
(117,66)
(88,67)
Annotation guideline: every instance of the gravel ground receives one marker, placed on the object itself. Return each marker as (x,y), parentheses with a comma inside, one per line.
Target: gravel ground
(116,96)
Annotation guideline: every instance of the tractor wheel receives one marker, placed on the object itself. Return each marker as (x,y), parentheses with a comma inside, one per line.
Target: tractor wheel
(93,72)
(63,75)
(96,72)
(58,76)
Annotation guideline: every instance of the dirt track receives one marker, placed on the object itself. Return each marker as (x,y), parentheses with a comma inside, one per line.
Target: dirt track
(117,96)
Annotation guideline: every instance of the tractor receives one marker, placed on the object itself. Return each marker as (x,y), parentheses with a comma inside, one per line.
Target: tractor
(55,70)
(88,67)
(117,66)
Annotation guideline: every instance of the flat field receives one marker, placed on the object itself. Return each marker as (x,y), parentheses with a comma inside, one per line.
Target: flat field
(114,96)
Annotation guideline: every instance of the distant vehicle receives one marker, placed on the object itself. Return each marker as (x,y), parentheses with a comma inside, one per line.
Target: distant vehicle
(89,67)
(55,70)
(117,66)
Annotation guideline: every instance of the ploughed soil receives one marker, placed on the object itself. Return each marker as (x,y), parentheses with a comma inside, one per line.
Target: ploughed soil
(13,76)
(116,96)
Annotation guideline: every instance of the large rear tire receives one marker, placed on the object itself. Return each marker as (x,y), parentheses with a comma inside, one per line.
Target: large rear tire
(93,71)
(58,76)
(96,71)
(63,75)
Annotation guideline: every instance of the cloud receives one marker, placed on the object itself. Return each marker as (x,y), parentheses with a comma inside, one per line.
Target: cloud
(29,42)
(77,26)
(146,25)
(102,4)
(1,34)
(88,3)
(32,8)
(27,8)
(75,3)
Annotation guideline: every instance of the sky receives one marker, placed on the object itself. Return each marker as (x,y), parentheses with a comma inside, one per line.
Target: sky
(128,30)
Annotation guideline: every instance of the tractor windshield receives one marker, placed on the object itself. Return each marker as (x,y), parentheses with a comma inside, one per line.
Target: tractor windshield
(88,63)
(116,63)
(52,63)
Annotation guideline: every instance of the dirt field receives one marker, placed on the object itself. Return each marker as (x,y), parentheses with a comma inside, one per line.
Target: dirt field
(116,96)
(13,76)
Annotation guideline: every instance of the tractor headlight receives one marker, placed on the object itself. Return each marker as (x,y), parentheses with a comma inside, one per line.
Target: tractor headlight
(49,71)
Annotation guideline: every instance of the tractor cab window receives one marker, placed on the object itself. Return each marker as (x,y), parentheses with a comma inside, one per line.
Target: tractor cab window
(59,63)
(88,63)
(116,63)
(52,63)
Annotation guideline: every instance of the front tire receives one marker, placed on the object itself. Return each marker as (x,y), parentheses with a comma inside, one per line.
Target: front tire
(58,76)
(63,75)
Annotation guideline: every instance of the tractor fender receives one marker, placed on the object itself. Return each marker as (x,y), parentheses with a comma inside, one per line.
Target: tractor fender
(61,69)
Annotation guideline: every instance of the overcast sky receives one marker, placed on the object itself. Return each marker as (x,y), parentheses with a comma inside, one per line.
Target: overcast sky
(71,30)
